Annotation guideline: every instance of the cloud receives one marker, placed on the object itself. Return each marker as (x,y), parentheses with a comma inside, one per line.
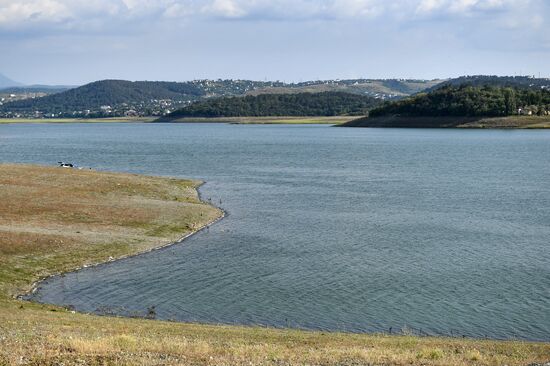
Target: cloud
(24,14)
(469,7)
(226,8)
(79,14)
(71,41)
(33,11)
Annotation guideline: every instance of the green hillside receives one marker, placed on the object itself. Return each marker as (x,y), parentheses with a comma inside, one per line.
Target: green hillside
(105,93)
(464,105)
(526,82)
(301,104)
(467,100)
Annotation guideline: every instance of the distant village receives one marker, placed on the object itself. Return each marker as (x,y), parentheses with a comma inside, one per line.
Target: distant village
(153,107)
(12,97)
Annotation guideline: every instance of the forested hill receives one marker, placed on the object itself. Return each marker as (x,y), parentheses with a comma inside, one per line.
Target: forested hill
(301,104)
(526,82)
(467,100)
(107,93)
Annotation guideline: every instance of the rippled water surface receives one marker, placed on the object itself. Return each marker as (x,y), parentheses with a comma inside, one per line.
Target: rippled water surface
(446,231)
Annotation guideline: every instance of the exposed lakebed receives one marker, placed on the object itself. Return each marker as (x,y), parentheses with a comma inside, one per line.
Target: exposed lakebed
(328,228)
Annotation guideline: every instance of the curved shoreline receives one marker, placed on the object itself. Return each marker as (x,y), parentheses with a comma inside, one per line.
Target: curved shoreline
(28,295)
(43,334)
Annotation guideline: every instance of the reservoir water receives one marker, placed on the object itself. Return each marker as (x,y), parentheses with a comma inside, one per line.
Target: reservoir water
(443,231)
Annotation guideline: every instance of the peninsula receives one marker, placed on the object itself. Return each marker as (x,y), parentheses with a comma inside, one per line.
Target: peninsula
(465,106)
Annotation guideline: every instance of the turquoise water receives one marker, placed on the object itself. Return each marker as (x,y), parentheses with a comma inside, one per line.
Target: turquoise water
(441,231)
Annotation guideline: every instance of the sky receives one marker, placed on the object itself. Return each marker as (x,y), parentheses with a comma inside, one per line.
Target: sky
(72,42)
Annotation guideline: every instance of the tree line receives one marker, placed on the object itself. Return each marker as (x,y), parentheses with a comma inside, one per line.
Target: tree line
(468,100)
(299,104)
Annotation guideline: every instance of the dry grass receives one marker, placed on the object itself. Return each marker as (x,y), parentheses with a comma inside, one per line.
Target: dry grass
(527,122)
(38,336)
(54,219)
(509,122)
(331,120)
(235,120)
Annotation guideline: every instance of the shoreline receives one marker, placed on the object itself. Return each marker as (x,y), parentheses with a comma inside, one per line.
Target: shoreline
(40,333)
(329,120)
(27,295)
(124,188)
(450,122)
(263,120)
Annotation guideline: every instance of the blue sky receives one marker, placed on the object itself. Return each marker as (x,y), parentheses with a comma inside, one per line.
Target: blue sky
(77,41)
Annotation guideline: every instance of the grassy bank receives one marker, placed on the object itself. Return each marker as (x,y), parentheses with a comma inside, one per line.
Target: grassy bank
(522,122)
(55,219)
(264,120)
(527,122)
(235,120)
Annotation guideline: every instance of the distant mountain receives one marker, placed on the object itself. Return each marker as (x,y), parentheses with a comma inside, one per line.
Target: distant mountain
(6,82)
(108,98)
(300,104)
(102,97)
(496,81)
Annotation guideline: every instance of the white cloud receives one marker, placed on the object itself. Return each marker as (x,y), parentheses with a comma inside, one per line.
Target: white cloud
(227,8)
(468,7)
(20,14)
(428,6)
(358,8)
(46,10)
(27,13)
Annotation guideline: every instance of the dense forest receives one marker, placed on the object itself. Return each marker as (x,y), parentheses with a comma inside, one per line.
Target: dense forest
(525,82)
(468,100)
(301,104)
